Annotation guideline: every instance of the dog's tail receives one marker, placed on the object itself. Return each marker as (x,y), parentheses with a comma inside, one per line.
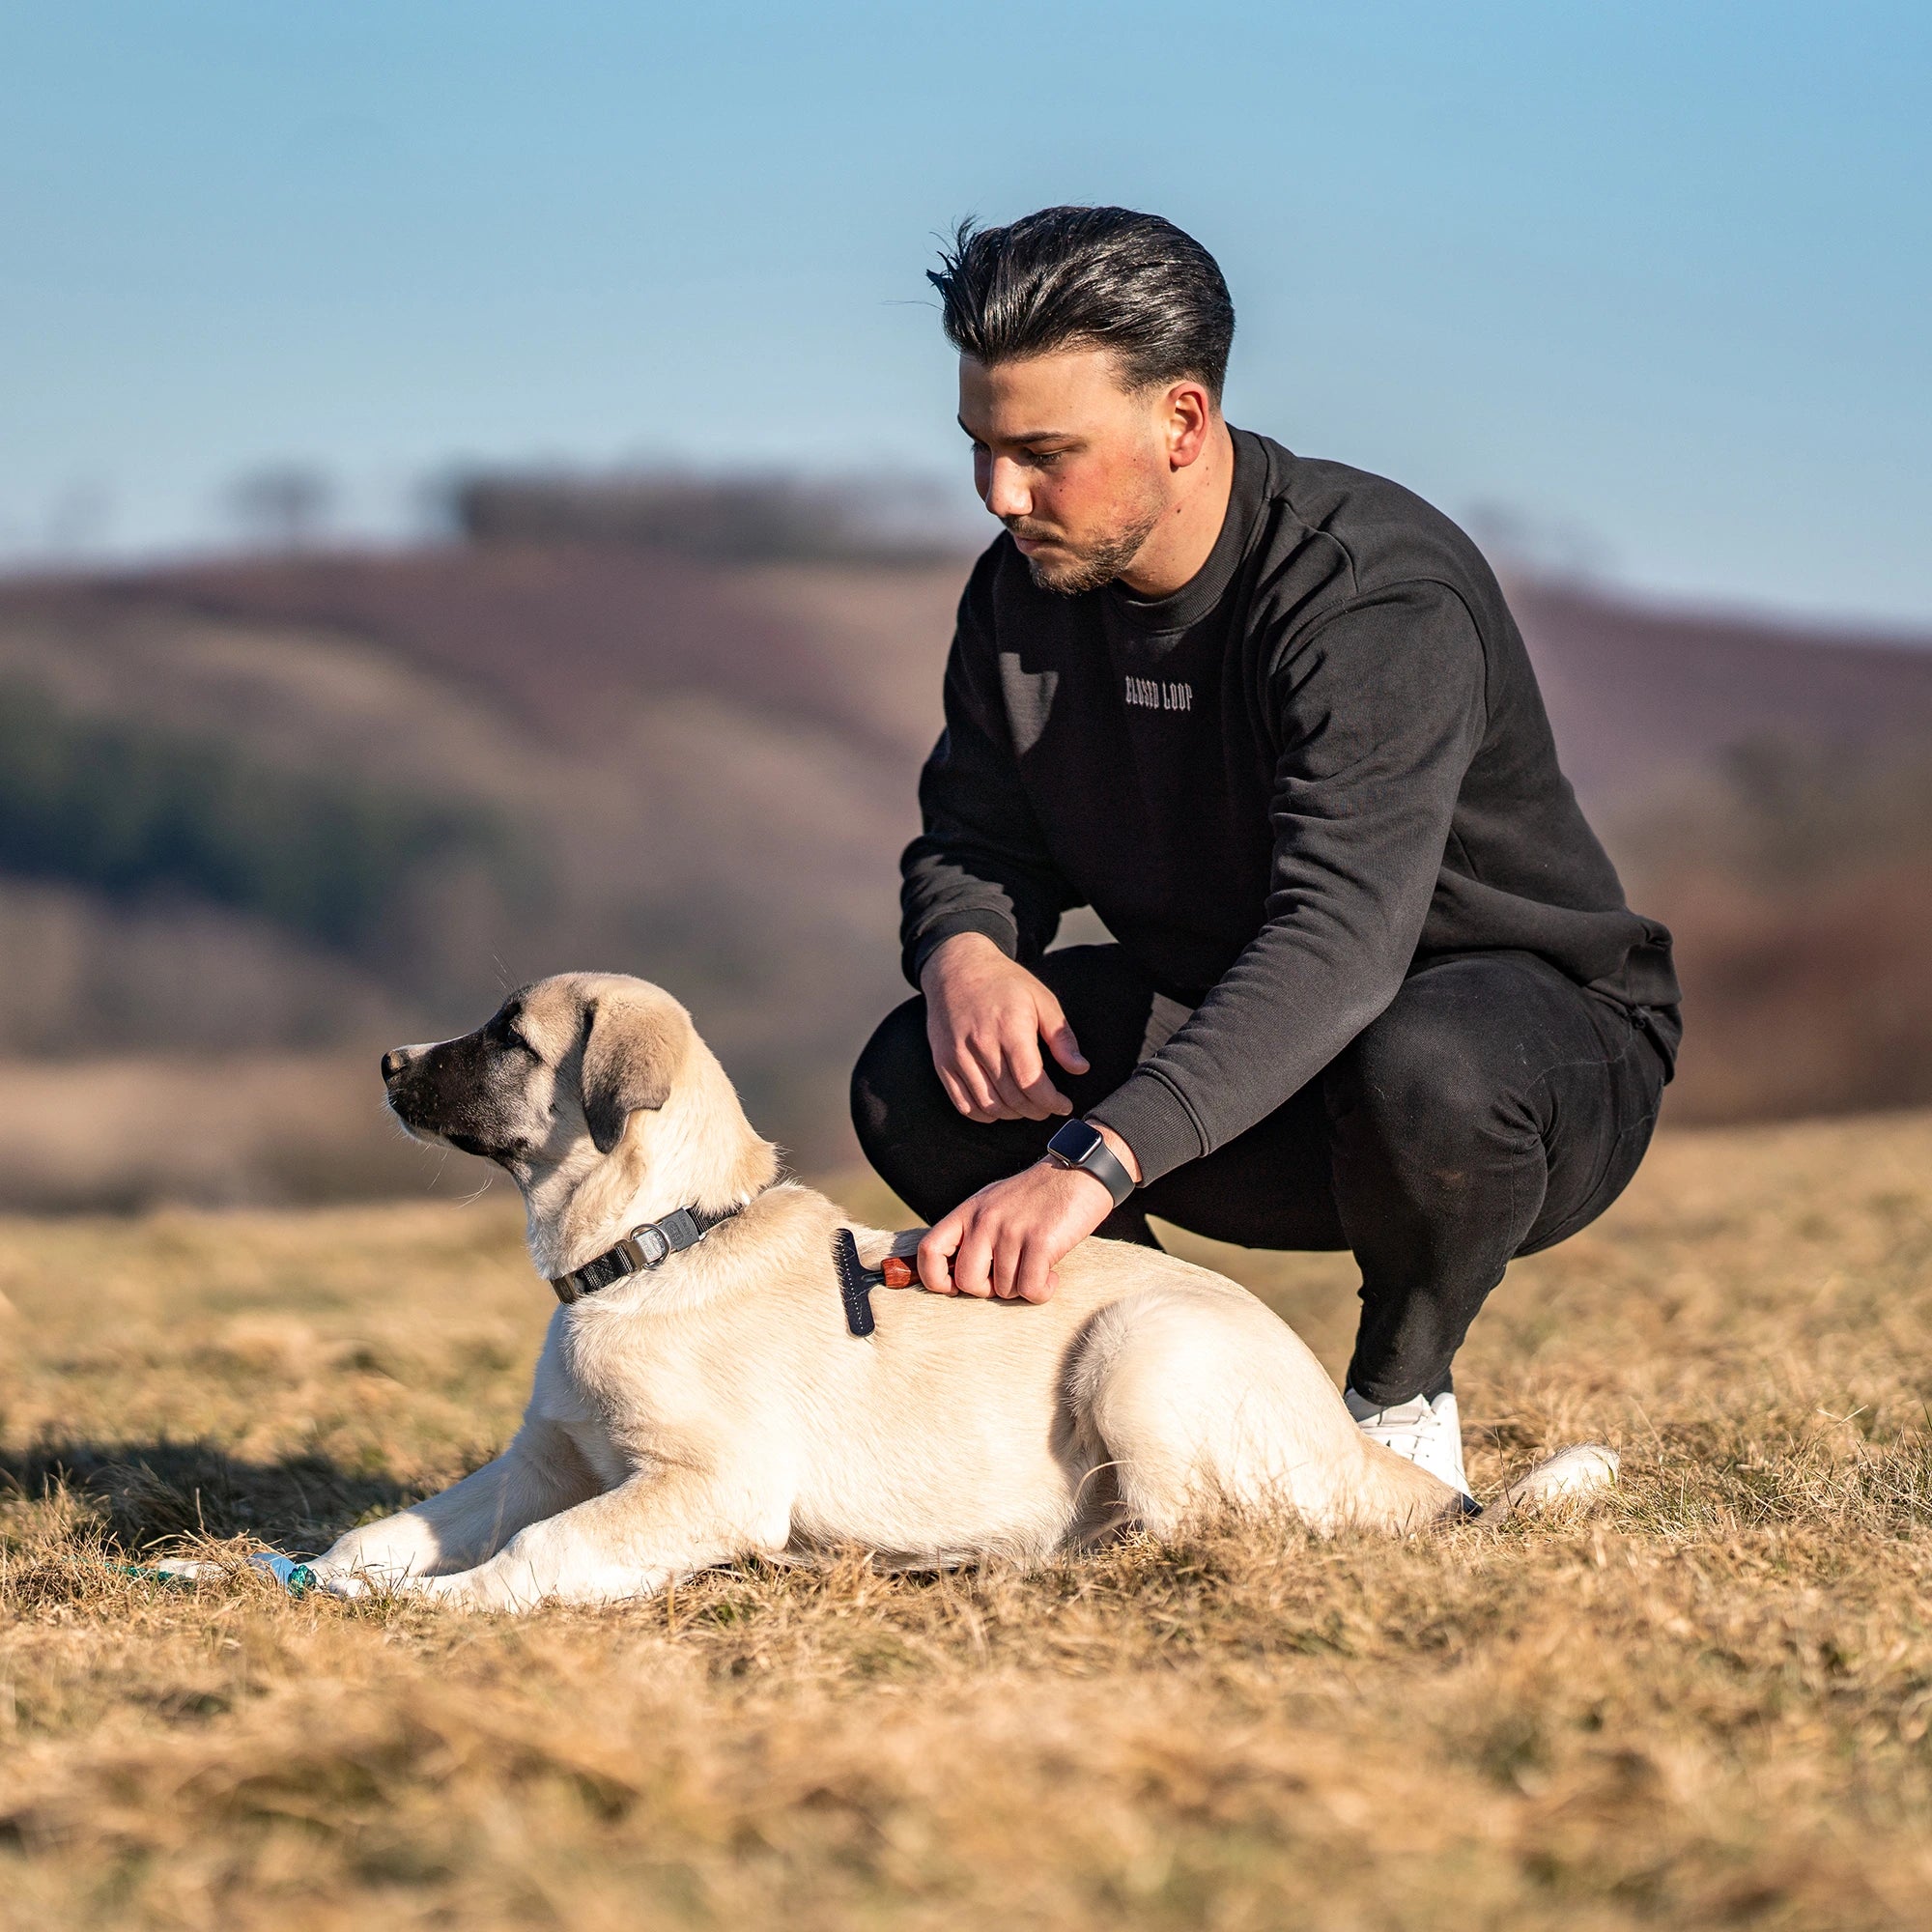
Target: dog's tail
(1571,1475)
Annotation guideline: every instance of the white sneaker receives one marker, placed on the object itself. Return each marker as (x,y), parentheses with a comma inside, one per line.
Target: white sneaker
(1428,1434)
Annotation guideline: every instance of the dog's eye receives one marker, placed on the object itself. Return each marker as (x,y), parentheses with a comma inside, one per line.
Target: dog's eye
(505,1031)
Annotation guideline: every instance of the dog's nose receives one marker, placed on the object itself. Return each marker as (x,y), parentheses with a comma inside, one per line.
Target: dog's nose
(393,1063)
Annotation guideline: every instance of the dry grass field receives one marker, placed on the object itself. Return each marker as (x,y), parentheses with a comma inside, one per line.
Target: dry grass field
(1710,1703)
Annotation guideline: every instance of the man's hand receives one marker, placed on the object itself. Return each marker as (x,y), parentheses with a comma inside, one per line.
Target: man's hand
(986,1016)
(1007,1239)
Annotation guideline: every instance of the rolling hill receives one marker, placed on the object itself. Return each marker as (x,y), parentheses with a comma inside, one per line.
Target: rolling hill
(702,769)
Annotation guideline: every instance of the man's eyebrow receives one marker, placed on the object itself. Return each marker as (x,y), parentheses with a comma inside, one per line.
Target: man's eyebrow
(1026,435)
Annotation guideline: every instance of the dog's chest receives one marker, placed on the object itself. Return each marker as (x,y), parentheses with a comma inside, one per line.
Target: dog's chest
(607,1461)
(596,1385)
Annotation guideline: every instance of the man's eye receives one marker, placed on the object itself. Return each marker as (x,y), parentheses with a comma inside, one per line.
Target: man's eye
(1044,459)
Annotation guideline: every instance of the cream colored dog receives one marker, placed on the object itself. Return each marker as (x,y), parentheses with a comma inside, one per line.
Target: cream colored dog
(717,1405)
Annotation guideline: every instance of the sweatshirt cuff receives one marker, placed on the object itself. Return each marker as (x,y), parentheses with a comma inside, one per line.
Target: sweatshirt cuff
(1154,1121)
(994,925)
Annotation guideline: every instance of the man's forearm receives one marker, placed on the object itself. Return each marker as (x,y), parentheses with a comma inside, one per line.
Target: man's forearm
(979,864)
(1287,1006)
(956,885)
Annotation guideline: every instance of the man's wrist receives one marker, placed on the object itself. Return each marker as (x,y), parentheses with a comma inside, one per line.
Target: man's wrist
(1118,1149)
(952,945)
(1052,1166)
(1080,1144)
(1154,1121)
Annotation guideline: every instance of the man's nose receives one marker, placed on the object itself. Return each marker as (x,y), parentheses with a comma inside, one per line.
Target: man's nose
(1007,494)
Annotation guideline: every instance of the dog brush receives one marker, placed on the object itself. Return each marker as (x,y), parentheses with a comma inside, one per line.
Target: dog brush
(856,1281)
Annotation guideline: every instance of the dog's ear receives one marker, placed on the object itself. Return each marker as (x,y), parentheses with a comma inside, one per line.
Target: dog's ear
(632,1052)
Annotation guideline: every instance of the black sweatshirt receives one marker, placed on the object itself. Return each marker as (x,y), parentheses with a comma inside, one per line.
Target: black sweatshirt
(1321,763)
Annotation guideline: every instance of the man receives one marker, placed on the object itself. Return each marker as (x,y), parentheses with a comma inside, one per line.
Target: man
(1374,982)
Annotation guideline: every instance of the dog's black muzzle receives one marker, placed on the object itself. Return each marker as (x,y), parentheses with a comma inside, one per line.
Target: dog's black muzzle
(454,1092)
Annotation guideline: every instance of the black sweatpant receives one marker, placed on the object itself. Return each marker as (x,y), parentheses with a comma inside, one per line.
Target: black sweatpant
(1493,1109)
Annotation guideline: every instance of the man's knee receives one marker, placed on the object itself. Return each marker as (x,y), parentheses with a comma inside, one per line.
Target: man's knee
(925,1150)
(893,1083)
(1436,1064)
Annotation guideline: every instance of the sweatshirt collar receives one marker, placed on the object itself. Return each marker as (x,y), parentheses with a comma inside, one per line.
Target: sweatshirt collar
(1201,592)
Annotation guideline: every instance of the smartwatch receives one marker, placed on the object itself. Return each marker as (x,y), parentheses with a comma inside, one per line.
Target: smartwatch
(1079,1145)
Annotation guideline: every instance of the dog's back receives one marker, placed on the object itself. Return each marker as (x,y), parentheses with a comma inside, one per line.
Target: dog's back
(1146,1389)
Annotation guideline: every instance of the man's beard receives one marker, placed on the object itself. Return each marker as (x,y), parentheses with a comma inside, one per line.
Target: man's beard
(1070,572)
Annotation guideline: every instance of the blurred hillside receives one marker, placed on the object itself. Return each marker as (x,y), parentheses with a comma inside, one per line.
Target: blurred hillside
(259,819)
(519,759)
(1766,792)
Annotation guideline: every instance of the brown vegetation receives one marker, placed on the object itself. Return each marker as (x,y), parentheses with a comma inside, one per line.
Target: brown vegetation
(1708,1705)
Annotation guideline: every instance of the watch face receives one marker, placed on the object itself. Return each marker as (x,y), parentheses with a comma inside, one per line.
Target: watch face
(1076,1141)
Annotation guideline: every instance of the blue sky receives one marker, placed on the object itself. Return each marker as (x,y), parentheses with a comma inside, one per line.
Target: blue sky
(1654,281)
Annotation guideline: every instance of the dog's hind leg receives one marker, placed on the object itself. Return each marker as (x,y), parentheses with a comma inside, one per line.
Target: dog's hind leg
(1206,1404)
(1186,1429)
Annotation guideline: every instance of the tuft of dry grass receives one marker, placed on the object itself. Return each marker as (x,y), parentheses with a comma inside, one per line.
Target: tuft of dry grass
(1708,1704)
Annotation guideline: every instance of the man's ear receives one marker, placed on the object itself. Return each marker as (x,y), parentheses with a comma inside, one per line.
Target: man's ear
(632,1052)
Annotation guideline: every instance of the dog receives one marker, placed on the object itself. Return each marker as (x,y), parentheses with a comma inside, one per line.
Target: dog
(701,1397)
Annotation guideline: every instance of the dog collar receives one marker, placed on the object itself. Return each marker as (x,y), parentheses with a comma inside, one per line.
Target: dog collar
(645,1247)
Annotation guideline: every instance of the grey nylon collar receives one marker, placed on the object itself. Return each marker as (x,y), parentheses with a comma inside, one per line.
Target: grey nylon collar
(647,1246)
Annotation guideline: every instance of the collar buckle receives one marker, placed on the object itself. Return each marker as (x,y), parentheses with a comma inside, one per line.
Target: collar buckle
(646,1246)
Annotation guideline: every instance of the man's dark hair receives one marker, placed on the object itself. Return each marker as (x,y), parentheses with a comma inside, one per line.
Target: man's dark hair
(1071,277)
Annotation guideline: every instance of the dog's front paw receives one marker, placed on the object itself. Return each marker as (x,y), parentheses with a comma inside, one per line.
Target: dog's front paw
(380,1555)
(348,1583)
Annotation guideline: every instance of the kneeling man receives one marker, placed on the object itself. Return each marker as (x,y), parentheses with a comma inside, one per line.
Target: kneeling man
(1374,983)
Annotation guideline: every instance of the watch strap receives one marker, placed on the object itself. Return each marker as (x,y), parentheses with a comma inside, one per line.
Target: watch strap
(1080,1144)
